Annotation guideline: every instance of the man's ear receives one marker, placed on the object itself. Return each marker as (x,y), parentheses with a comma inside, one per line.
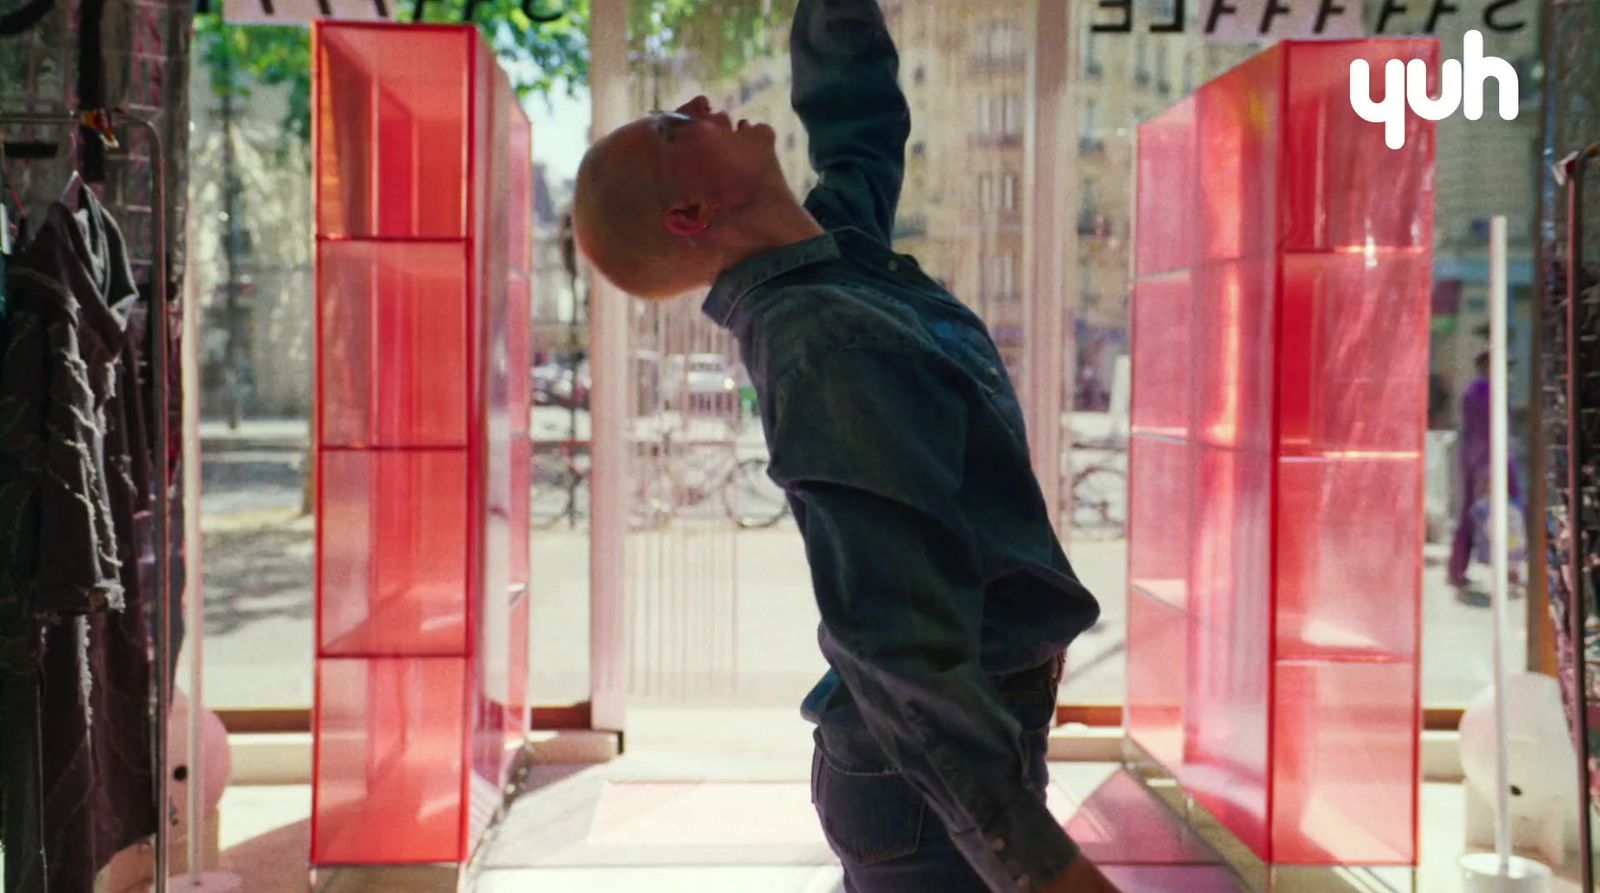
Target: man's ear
(688,219)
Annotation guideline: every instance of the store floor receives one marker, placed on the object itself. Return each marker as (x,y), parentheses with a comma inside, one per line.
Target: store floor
(713,801)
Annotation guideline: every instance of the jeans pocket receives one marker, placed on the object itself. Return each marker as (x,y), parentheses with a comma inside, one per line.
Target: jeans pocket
(867,818)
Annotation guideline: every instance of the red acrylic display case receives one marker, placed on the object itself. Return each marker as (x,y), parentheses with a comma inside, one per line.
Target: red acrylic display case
(424,255)
(1280,339)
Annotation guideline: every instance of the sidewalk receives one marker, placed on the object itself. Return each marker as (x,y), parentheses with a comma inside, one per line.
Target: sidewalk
(254,434)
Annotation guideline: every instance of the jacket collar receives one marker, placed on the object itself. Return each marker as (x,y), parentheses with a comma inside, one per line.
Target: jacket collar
(736,282)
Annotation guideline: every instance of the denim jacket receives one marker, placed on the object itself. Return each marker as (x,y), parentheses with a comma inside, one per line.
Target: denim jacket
(896,433)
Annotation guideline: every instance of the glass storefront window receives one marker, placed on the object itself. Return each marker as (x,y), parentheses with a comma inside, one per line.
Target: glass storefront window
(965,214)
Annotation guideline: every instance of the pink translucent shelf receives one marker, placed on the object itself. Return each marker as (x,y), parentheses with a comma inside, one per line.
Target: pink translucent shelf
(392,558)
(423,349)
(393,324)
(389,760)
(1280,338)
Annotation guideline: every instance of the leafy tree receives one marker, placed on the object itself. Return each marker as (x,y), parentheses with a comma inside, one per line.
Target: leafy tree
(542,52)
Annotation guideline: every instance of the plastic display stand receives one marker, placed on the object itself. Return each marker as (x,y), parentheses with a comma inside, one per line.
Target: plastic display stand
(423,202)
(1280,368)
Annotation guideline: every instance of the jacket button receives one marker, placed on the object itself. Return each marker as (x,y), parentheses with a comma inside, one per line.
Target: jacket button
(894,266)
(999,844)
(1023,884)
(993,372)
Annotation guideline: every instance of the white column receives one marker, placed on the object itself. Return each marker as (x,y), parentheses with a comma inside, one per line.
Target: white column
(1499,499)
(610,371)
(1050,248)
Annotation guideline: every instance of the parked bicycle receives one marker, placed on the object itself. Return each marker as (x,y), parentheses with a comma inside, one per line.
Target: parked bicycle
(1099,501)
(693,482)
(1099,485)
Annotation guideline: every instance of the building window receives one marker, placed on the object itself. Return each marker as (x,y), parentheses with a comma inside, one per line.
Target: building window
(1091,54)
(1011,122)
(1009,183)
(998,42)
(986,110)
(1141,64)
(1000,277)
(986,192)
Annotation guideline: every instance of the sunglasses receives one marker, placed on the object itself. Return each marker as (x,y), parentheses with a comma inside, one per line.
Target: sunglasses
(668,124)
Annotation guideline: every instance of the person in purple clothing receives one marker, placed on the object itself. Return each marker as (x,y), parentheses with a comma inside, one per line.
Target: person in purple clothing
(1473,458)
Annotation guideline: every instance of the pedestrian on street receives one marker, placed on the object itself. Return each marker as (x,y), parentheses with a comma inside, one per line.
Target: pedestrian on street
(946,600)
(1472,449)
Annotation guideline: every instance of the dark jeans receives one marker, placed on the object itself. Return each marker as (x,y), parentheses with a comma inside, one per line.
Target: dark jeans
(881,828)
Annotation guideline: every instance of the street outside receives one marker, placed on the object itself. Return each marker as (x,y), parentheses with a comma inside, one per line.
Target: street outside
(258,549)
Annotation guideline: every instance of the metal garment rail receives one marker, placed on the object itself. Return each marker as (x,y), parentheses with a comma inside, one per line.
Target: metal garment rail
(101,121)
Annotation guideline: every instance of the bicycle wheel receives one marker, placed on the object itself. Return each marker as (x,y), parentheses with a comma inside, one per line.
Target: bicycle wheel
(751,498)
(652,505)
(554,482)
(1099,502)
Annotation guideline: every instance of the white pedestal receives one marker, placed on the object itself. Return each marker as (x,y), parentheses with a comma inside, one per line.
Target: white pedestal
(1481,874)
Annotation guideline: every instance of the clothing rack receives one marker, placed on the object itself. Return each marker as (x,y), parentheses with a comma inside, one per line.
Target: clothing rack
(1569,173)
(102,122)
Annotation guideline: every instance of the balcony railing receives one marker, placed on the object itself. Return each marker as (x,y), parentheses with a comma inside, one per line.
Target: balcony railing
(1003,63)
(997,140)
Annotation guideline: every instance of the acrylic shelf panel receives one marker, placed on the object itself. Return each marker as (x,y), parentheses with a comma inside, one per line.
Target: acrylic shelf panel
(1158,559)
(392,558)
(392,119)
(387,779)
(1158,653)
(393,327)
(1353,364)
(424,184)
(1280,338)
(1161,359)
(1341,736)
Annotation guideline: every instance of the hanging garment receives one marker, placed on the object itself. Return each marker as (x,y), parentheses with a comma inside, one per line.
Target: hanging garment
(75,665)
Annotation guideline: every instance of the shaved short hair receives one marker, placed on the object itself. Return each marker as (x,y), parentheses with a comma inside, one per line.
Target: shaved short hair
(619,219)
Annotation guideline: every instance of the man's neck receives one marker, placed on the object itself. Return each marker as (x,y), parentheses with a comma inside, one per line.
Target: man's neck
(770,228)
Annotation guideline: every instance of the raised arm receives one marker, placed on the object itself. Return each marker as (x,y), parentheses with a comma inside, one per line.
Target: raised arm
(847,94)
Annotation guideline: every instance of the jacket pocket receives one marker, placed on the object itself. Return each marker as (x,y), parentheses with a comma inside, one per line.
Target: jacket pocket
(867,817)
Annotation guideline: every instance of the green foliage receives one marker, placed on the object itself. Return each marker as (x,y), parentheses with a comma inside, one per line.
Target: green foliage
(716,36)
(240,56)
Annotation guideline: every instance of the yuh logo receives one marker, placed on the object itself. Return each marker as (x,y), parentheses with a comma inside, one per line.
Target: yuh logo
(1462,85)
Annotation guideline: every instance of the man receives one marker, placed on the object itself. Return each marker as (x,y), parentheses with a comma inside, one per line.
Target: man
(1473,464)
(945,597)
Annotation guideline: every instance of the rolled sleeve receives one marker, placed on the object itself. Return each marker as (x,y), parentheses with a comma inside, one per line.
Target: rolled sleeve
(871,443)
